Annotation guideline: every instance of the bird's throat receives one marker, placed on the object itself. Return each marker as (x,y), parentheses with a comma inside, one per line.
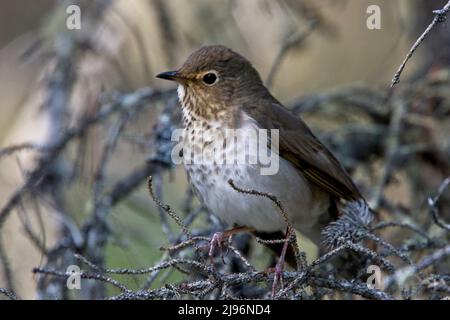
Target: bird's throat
(197,108)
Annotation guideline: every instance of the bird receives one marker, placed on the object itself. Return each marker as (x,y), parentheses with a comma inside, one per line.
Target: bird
(220,90)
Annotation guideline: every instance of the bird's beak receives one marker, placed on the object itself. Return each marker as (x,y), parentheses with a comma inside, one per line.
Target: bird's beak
(169,75)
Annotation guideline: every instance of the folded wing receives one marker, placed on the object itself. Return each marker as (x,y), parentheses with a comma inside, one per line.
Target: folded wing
(298,145)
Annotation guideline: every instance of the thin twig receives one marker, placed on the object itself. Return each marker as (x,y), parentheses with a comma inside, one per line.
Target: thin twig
(401,275)
(433,204)
(8,293)
(290,234)
(163,265)
(392,146)
(83,275)
(168,210)
(290,42)
(440,16)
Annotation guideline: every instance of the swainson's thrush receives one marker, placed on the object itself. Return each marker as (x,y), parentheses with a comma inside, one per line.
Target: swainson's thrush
(220,89)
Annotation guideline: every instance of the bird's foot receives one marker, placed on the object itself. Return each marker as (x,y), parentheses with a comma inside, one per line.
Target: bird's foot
(219,238)
(216,242)
(278,279)
(279,267)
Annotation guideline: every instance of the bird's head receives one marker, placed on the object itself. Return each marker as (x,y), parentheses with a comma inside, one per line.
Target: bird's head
(214,77)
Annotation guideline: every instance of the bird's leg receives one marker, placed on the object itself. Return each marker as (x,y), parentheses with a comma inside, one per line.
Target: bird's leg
(219,237)
(216,241)
(279,267)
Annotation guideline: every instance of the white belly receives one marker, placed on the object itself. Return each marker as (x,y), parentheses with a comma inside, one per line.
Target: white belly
(235,208)
(302,202)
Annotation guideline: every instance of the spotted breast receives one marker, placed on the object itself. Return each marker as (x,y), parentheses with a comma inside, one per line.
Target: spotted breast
(207,152)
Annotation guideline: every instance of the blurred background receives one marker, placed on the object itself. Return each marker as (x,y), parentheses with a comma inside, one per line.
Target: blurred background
(317,56)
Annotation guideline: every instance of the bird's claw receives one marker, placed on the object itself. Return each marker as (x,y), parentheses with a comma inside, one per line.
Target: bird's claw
(216,242)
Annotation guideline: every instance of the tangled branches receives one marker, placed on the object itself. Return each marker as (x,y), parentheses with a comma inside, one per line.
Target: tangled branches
(388,140)
(205,280)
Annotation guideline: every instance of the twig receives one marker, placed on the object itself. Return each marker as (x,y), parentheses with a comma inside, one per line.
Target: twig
(267,195)
(433,204)
(162,214)
(439,17)
(392,146)
(19,147)
(8,293)
(163,265)
(387,224)
(135,100)
(8,274)
(290,234)
(389,247)
(401,275)
(290,42)
(168,210)
(361,289)
(83,275)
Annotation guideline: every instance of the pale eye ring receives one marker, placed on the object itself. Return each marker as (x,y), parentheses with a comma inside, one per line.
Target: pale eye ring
(210,78)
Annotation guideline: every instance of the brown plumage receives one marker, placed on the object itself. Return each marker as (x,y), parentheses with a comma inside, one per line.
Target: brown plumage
(220,89)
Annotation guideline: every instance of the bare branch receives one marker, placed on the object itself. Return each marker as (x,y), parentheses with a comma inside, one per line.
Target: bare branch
(8,293)
(433,203)
(440,16)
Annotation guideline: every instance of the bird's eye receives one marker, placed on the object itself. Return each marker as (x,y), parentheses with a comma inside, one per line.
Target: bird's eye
(210,78)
